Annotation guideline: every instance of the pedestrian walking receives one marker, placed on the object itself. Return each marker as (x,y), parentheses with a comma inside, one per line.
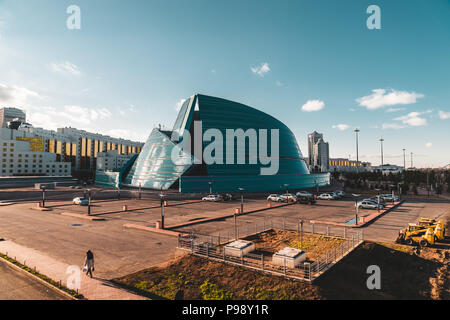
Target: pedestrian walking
(89,263)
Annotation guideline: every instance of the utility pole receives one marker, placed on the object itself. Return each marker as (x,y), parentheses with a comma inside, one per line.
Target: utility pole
(357,151)
(404,160)
(382,163)
(411,159)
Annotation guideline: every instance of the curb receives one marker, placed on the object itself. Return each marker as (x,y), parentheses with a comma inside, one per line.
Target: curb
(39,279)
(82,216)
(42,208)
(160,231)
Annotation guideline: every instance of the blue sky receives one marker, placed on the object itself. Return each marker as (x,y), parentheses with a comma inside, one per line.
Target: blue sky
(131,62)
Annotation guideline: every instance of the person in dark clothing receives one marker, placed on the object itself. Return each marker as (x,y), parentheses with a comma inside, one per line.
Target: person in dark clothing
(180,294)
(89,263)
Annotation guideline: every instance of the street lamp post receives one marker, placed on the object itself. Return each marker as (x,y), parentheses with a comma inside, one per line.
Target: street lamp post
(162,209)
(357,149)
(43,196)
(411,160)
(210,187)
(242,199)
(89,201)
(382,162)
(301,234)
(235,225)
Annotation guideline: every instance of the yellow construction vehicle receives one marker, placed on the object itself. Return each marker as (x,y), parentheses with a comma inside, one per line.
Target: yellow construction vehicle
(417,234)
(437,225)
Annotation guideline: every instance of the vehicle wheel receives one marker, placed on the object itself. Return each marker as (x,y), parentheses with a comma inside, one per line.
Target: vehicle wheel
(409,241)
(423,243)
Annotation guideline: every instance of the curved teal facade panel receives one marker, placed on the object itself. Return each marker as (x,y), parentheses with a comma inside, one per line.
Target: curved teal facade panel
(155,169)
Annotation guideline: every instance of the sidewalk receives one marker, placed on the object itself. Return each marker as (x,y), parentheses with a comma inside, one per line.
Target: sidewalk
(92,289)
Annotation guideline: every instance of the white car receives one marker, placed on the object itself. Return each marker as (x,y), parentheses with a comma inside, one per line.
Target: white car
(365,204)
(211,197)
(304,194)
(274,198)
(80,201)
(288,197)
(326,196)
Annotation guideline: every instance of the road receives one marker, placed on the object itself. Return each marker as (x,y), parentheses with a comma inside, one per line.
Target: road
(16,285)
(386,228)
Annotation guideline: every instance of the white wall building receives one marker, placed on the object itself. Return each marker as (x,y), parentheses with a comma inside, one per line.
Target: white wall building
(17,159)
(111,160)
(388,168)
(10,114)
(319,153)
(78,147)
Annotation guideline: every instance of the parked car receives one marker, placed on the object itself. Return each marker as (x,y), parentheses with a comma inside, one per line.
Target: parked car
(340,193)
(304,194)
(80,201)
(335,195)
(378,198)
(389,197)
(365,204)
(326,196)
(374,201)
(274,198)
(288,197)
(211,197)
(227,197)
(306,199)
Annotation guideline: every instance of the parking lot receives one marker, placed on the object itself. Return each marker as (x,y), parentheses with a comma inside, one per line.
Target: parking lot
(120,251)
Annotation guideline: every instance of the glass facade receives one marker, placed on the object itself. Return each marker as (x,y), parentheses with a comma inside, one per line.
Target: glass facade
(154,168)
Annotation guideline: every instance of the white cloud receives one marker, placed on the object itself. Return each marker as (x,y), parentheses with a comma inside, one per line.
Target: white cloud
(279,83)
(341,127)
(261,70)
(380,98)
(414,119)
(444,115)
(395,126)
(179,104)
(395,109)
(313,105)
(65,68)
(428,144)
(14,96)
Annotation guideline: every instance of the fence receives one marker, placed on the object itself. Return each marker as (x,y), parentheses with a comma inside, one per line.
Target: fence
(211,247)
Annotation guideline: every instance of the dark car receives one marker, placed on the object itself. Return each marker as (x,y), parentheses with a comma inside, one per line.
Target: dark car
(227,197)
(306,200)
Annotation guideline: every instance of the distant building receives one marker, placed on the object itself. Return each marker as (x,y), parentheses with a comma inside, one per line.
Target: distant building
(11,114)
(111,160)
(77,147)
(388,168)
(20,158)
(346,165)
(318,153)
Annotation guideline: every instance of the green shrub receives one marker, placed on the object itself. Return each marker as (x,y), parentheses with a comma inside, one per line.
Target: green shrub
(211,291)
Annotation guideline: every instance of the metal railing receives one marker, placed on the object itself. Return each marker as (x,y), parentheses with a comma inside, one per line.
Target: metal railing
(212,247)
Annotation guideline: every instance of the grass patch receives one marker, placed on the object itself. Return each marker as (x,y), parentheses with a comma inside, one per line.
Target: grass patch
(405,275)
(56,284)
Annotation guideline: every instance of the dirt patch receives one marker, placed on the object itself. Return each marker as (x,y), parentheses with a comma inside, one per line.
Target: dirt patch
(314,245)
(404,275)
